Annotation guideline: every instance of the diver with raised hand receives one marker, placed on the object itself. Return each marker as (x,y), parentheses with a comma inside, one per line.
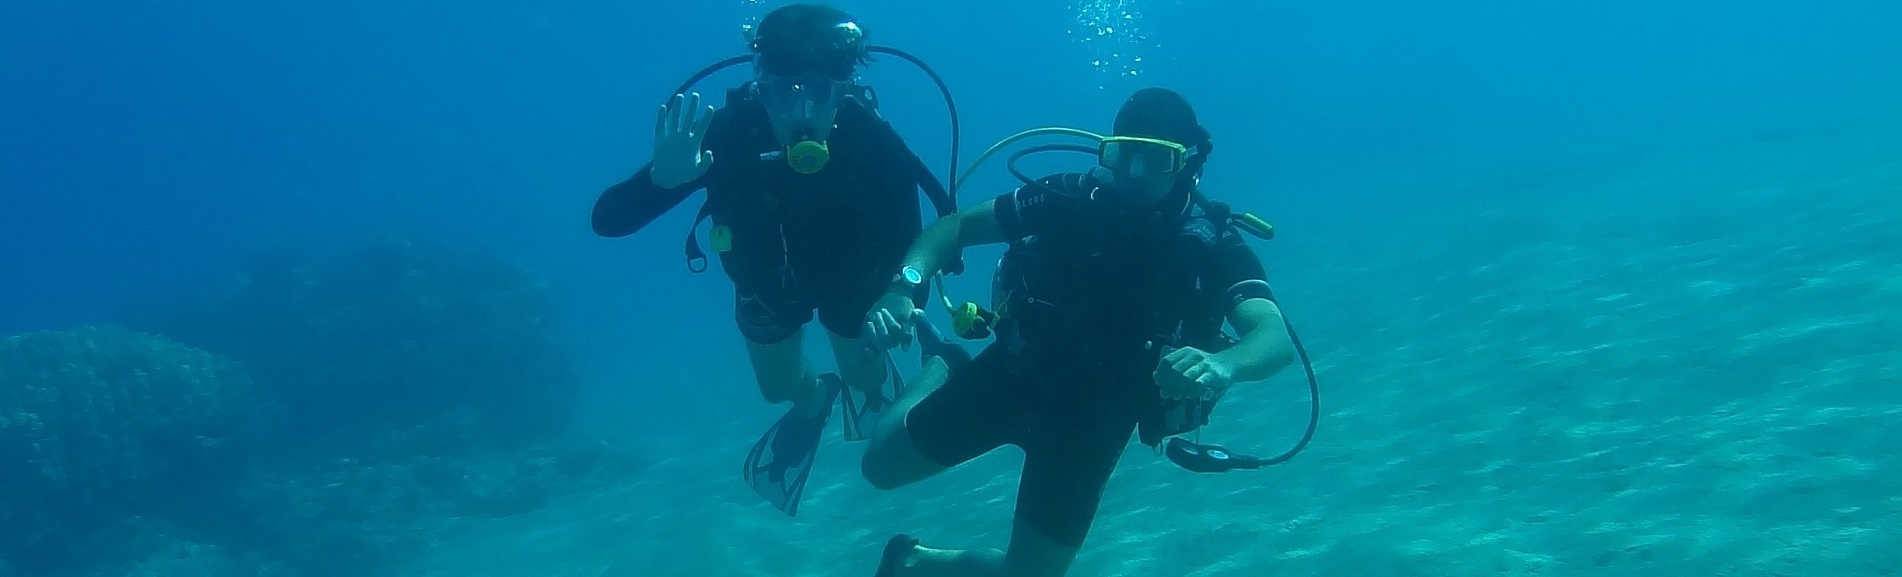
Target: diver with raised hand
(813,198)
(1110,308)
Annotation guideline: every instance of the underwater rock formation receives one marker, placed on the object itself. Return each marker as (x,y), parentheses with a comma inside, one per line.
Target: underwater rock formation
(98,424)
(386,336)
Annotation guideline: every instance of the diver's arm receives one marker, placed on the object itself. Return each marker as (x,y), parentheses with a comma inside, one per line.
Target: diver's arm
(1264,348)
(1025,211)
(625,208)
(945,238)
(939,245)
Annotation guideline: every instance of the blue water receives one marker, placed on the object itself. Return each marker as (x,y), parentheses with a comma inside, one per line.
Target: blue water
(1516,235)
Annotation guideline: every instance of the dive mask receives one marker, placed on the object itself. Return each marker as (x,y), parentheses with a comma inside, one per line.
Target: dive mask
(1136,156)
(802,110)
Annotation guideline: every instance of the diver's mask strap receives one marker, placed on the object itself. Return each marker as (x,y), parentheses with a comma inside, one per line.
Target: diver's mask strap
(1199,158)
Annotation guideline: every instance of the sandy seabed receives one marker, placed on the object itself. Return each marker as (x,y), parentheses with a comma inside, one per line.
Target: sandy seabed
(1680,391)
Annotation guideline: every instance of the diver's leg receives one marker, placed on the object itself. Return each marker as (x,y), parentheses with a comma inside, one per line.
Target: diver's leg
(780,463)
(842,311)
(864,365)
(861,363)
(783,375)
(1034,550)
(892,460)
(771,328)
(944,420)
(1066,467)
(1031,554)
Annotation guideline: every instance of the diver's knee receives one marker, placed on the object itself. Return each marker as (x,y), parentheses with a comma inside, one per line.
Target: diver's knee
(876,473)
(883,463)
(779,366)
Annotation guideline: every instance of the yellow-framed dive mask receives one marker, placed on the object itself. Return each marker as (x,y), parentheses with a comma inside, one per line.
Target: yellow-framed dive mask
(1137,156)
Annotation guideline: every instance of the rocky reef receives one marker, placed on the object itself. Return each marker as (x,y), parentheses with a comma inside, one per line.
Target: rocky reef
(98,424)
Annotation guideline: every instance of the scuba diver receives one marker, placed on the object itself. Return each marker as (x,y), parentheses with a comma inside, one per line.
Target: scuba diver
(813,198)
(1110,305)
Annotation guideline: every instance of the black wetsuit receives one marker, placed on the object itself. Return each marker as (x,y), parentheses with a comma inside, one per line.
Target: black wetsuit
(828,241)
(1072,376)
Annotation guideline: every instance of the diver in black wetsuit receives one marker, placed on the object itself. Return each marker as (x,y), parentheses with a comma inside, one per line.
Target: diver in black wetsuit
(814,198)
(1111,302)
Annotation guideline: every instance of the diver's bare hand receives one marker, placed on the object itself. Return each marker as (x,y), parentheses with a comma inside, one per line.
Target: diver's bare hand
(679,156)
(889,323)
(1192,373)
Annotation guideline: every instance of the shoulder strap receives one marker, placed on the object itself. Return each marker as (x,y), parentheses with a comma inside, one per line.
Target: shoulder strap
(1195,320)
(1199,319)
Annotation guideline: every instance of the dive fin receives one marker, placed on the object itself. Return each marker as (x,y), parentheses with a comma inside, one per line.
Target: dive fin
(862,411)
(779,463)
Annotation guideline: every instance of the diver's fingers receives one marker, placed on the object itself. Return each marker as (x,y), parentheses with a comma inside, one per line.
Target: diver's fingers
(700,124)
(689,114)
(1166,380)
(674,106)
(698,134)
(664,120)
(913,319)
(1183,363)
(872,342)
(881,329)
(684,121)
(1195,373)
(683,118)
(900,332)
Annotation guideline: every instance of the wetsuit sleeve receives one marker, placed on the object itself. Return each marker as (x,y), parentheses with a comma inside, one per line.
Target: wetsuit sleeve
(1035,209)
(625,208)
(1237,269)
